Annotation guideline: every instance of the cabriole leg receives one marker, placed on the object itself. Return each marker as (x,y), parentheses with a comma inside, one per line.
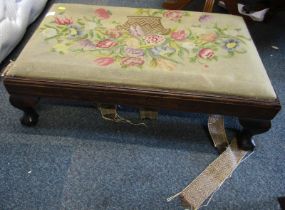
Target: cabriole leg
(27,104)
(251,127)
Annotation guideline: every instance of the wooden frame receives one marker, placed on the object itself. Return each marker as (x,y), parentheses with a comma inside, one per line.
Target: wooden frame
(254,114)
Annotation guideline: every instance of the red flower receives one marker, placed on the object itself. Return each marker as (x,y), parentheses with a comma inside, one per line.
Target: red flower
(107,43)
(173,15)
(132,61)
(206,53)
(179,35)
(105,61)
(102,13)
(63,21)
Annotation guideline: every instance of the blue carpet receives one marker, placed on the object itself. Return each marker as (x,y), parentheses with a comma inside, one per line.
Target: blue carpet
(74,160)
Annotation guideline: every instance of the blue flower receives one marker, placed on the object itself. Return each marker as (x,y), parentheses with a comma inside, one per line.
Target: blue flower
(74,31)
(231,44)
(162,50)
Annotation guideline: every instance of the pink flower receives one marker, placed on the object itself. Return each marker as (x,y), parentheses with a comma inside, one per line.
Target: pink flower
(104,61)
(132,61)
(154,39)
(114,33)
(102,13)
(206,53)
(173,15)
(63,21)
(107,43)
(179,35)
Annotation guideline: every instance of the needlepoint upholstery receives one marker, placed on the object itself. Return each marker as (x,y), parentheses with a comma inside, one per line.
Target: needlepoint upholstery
(178,50)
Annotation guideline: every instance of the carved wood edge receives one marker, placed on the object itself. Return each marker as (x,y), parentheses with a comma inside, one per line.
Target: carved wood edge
(145,97)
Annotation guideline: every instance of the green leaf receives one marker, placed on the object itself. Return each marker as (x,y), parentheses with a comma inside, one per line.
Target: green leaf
(86,18)
(155,13)
(243,37)
(170,54)
(52,37)
(181,54)
(139,11)
(193,59)
(91,33)
(121,51)
(186,50)
(215,58)
(80,23)
(241,51)
(98,36)
(49,26)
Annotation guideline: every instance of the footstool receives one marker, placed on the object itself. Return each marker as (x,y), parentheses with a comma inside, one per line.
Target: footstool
(148,58)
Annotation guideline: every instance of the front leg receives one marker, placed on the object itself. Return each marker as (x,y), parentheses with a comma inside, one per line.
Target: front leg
(251,127)
(27,104)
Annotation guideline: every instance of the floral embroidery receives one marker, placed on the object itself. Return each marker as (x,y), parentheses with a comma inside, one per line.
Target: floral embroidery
(87,43)
(132,61)
(105,61)
(205,18)
(74,31)
(143,40)
(113,33)
(231,44)
(103,13)
(136,31)
(173,15)
(210,37)
(61,10)
(163,50)
(107,43)
(63,21)
(206,53)
(154,39)
(134,52)
(179,35)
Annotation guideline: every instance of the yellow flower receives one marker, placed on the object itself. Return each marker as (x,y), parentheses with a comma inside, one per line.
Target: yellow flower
(60,48)
(61,8)
(231,45)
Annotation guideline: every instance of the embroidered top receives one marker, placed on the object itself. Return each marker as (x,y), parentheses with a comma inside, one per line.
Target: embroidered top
(192,51)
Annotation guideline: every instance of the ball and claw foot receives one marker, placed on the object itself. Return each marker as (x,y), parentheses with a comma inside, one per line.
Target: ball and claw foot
(246,142)
(27,104)
(251,127)
(29,119)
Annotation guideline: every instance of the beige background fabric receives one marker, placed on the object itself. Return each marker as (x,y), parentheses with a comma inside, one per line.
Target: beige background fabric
(241,75)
